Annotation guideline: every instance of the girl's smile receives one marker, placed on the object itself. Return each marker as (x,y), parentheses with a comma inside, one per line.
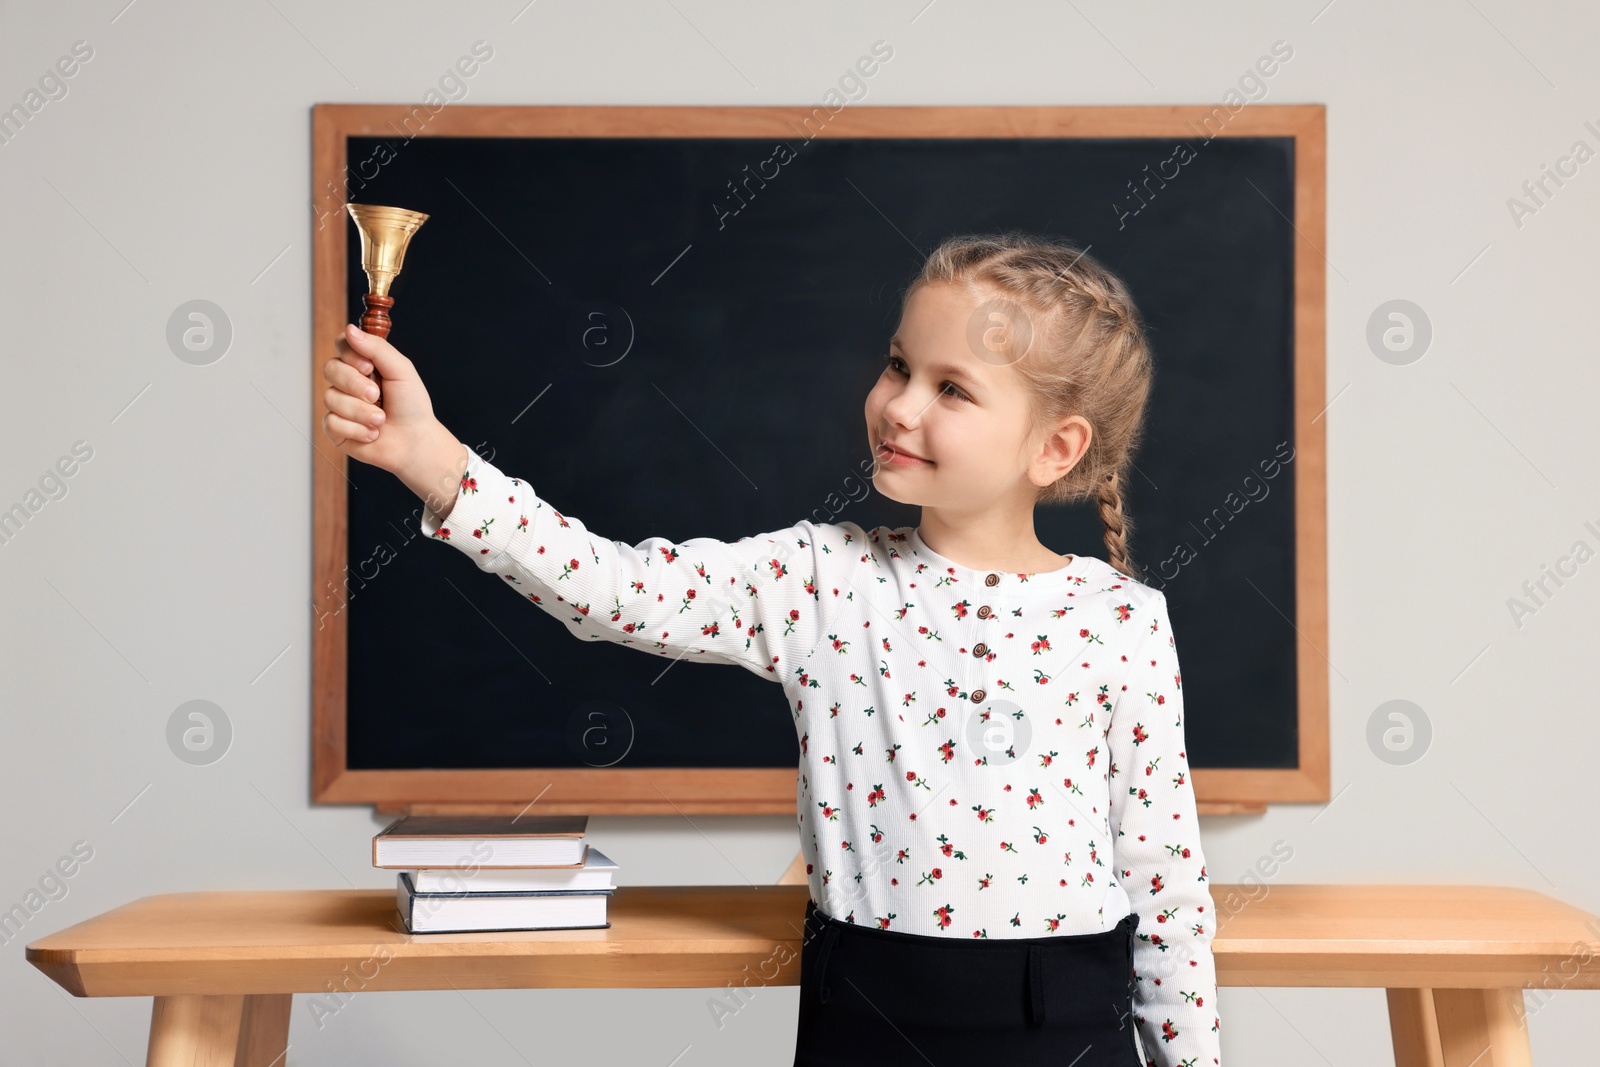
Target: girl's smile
(894,457)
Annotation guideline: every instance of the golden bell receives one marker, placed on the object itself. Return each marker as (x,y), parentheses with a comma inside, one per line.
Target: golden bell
(385,232)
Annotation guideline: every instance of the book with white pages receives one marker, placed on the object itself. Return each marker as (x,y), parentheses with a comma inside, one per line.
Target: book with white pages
(597,872)
(465,913)
(415,841)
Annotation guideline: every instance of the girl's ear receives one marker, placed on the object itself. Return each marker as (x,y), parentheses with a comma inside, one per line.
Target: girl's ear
(1061,450)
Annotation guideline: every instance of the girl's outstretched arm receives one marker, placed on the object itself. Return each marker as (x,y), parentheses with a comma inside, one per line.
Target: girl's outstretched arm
(1156,848)
(763,602)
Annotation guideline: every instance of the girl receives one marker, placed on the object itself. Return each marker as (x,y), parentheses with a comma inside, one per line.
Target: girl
(994,801)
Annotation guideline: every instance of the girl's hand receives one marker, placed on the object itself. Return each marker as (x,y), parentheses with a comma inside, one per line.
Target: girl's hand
(392,436)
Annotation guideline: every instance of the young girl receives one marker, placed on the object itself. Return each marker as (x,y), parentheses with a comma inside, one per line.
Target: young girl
(994,798)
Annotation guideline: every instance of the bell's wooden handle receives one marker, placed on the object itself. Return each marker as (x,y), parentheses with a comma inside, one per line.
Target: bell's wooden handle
(375,320)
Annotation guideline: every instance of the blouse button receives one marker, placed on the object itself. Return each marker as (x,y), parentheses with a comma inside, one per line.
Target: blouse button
(978,695)
(993,579)
(979,649)
(983,612)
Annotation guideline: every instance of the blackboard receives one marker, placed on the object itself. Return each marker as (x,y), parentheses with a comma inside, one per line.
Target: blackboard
(661,355)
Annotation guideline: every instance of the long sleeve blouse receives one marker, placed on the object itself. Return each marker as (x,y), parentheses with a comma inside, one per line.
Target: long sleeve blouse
(982,753)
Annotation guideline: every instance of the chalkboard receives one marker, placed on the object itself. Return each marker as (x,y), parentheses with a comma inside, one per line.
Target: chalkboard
(674,336)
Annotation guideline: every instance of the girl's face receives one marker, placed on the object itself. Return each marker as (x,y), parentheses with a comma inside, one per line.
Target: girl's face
(948,421)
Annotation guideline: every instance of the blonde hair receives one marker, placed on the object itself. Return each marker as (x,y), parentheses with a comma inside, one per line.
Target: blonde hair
(1083,352)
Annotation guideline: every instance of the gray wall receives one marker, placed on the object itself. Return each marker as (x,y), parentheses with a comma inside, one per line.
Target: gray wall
(172,564)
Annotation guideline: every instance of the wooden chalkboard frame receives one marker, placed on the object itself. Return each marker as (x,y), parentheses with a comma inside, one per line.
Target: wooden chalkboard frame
(771,791)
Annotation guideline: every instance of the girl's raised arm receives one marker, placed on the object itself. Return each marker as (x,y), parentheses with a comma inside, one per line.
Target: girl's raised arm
(763,602)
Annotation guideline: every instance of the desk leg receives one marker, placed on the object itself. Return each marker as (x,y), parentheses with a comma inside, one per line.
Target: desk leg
(1458,1028)
(220,1031)
(1414,1028)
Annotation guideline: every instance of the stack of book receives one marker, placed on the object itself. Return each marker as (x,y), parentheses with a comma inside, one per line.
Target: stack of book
(468,873)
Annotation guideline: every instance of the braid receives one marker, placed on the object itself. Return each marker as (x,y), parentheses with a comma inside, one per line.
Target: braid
(1117,526)
(1100,300)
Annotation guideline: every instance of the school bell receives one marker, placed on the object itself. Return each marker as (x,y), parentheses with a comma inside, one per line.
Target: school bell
(385,232)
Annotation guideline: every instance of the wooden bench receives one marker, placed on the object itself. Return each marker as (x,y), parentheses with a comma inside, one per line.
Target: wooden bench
(223,966)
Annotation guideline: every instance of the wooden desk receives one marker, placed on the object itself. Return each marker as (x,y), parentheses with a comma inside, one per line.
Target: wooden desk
(223,967)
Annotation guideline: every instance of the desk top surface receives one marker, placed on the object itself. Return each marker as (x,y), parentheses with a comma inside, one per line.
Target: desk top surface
(703,936)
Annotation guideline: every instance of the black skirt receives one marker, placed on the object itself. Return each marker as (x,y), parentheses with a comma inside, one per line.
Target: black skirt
(871,996)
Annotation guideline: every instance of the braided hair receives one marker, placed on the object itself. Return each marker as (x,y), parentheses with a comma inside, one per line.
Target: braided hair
(1078,341)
